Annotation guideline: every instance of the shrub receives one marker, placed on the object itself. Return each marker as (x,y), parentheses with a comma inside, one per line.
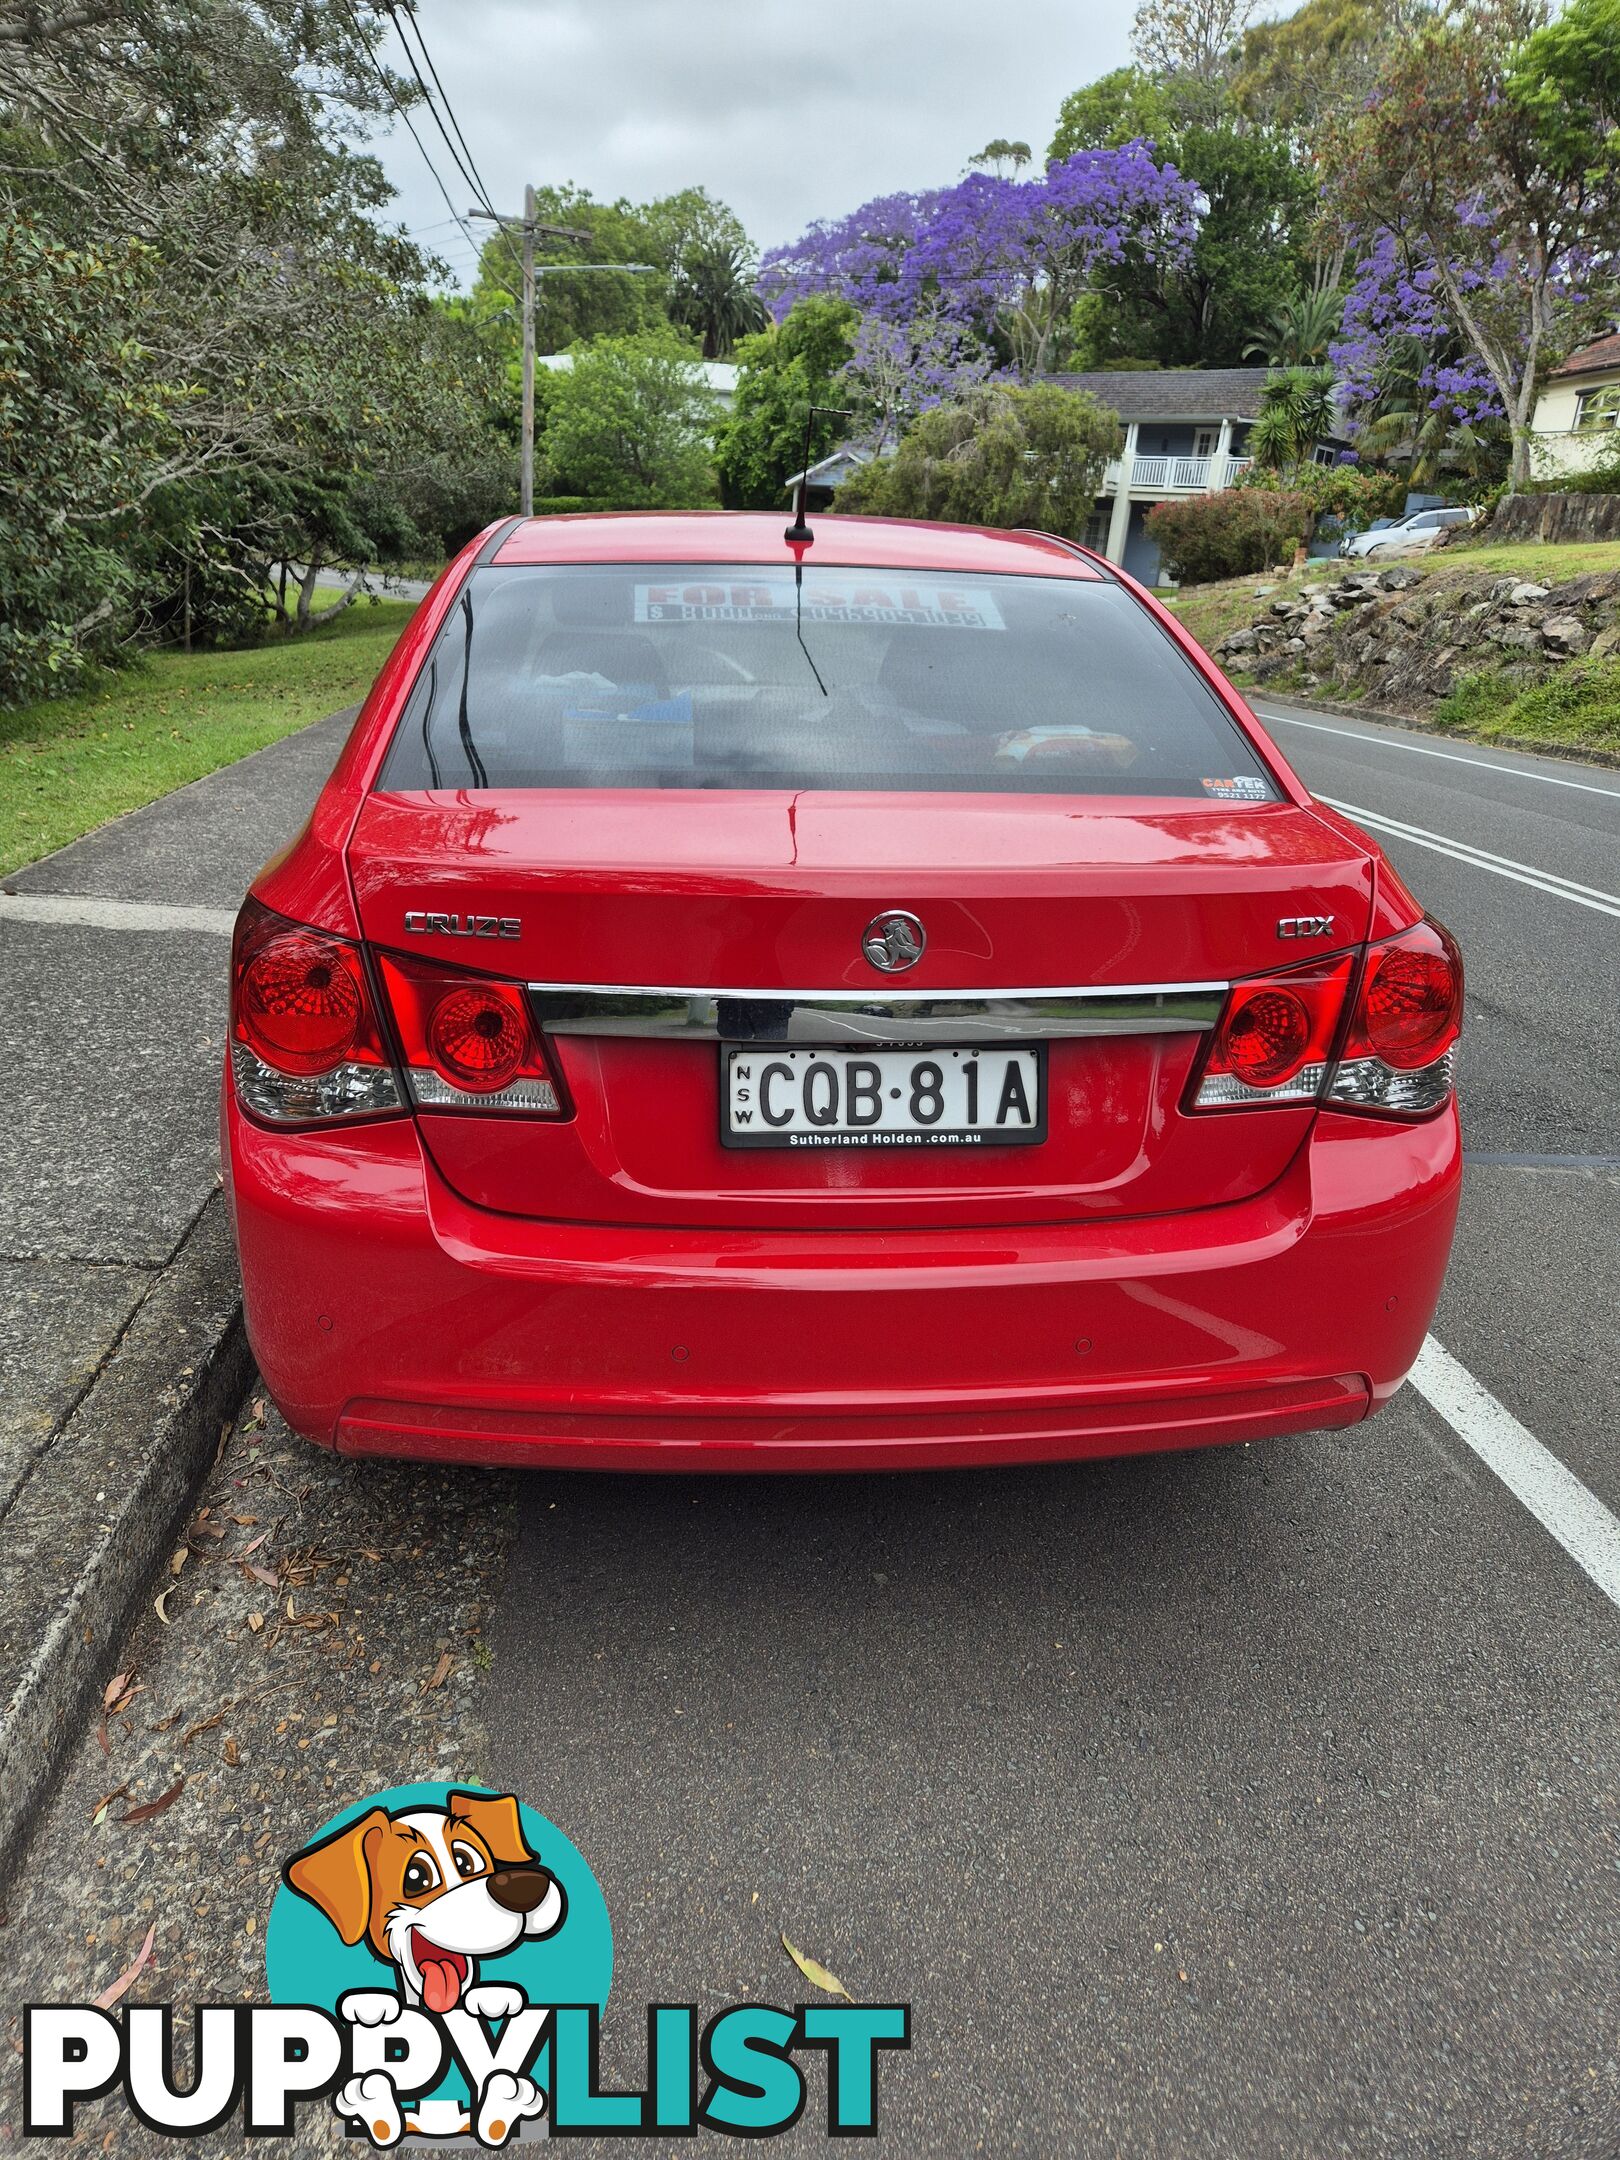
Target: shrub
(1231,534)
(1004,455)
(1347,491)
(567,505)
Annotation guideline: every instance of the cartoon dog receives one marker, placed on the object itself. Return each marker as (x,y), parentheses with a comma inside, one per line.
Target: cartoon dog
(431,1891)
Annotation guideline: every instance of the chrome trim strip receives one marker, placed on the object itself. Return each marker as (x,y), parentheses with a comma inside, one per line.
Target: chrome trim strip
(875,1016)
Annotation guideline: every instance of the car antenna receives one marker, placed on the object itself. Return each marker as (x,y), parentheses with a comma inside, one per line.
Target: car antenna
(799,536)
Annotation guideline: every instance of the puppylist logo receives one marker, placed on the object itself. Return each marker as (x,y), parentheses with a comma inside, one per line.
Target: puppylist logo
(438,1961)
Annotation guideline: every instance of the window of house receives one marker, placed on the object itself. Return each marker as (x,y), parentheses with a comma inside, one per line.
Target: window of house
(1598,409)
(1204,442)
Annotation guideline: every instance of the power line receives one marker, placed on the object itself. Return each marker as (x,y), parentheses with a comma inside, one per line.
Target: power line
(468,166)
(462,166)
(381,74)
(470,170)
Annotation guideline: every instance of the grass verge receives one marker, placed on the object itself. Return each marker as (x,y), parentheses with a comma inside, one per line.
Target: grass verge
(70,764)
(1581,704)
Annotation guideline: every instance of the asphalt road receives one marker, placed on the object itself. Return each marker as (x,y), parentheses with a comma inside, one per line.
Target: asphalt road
(1259,1801)
(1247,1802)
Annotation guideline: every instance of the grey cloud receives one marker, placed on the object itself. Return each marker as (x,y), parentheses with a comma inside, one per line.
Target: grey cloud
(787,111)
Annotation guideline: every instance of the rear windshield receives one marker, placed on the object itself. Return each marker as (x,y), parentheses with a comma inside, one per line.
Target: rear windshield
(658,675)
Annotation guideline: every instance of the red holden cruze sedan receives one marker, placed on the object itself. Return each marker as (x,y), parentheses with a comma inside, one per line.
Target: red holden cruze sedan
(750,1005)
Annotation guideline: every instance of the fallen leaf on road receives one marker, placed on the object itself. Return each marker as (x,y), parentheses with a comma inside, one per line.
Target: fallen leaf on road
(231,1752)
(440,1674)
(156,1807)
(253,1545)
(255,1621)
(207,1724)
(178,1559)
(127,1978)
(160,1605)
(114,1688)
(246,1522)
(817,1973)
(261,1574)
(99,1812)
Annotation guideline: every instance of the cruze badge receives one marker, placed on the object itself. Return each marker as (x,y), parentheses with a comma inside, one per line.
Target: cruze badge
(424,925)
(1293,926)
(894,941)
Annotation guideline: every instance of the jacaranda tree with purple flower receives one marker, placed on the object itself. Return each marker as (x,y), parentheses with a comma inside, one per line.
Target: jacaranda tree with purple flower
(992,263)
(1483,177)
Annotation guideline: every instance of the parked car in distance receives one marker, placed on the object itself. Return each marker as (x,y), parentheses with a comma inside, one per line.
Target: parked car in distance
(1419,529)
(740,1003)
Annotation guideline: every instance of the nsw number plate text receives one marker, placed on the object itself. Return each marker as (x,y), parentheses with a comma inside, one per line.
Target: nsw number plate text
(933,1096)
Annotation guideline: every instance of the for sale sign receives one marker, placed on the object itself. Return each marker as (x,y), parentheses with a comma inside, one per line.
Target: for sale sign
(887,603)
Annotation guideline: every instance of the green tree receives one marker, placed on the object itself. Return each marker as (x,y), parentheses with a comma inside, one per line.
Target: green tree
(85,438)
(1249,256)
(782,373)
(1118,108)
(1194,44)
(1293,71)
(1005,455)
(631,423)
(1296,412)
(1492,155)
(281,331)
(713,296)
(570,309)
(1002,156)
(1299,329)
(1403,423)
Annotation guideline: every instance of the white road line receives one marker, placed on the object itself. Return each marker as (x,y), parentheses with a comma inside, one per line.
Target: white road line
(1385,739)
(1554,1495)
(1588,896)
(82,911)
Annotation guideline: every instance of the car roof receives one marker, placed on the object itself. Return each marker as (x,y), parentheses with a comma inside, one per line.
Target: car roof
(743,536)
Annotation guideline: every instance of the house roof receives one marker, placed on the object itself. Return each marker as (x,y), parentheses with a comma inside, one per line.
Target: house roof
(1231,393)
(1603,353)
(850,454)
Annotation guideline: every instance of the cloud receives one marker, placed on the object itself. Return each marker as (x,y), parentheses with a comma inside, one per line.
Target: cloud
(787,111)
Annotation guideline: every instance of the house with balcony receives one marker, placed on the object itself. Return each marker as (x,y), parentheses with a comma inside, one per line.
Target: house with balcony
(1578,411)
(1186,433)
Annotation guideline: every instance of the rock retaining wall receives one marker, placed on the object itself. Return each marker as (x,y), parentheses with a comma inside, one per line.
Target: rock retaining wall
(1556,517)
(1379,635)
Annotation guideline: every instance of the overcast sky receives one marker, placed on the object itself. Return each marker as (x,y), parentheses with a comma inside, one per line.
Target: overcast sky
(786,109)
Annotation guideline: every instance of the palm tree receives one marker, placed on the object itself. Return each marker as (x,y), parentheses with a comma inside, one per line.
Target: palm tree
(714,295)
(1402,423)
(1296,410)
(1298,332)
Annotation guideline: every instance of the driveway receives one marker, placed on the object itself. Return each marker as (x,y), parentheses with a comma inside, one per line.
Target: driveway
(1255,1801)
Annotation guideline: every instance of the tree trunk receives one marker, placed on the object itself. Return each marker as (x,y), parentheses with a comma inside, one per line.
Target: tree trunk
(343,600)
(1519,463)
(306,590)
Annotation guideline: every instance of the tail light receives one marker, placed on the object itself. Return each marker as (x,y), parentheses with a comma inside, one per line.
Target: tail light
(1276,1038)
(1400,1053)
(468,1041)
(1287,1038)
(305,1044)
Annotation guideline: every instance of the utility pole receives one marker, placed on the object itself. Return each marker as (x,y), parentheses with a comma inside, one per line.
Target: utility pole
(530,228)
(526,503)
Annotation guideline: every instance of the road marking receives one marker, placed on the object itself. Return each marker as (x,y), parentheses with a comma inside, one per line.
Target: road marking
(1391,741)
(84,912)
(1602,903)
(1554,1495)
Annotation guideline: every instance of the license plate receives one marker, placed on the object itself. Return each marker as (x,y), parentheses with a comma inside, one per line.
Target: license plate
(936,1096)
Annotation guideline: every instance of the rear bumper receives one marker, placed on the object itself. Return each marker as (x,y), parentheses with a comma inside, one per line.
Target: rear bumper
(390,1318)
